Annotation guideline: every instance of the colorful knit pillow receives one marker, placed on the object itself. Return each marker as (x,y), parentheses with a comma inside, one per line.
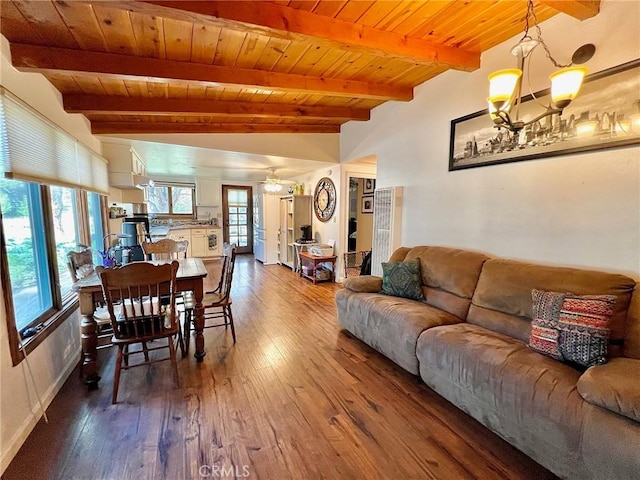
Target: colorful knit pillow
(583,327)
(402,279)
(544,324)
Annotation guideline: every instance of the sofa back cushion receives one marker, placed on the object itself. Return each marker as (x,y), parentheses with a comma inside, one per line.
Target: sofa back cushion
(502,299)
(449,276)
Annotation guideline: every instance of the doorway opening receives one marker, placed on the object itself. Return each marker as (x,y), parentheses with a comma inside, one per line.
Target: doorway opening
(360,225)
(237,213)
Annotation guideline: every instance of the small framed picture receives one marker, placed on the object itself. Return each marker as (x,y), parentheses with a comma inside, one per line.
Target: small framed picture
(369,186)
(367,204)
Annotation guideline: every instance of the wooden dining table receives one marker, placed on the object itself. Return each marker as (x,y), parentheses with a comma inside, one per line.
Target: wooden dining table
(190,277)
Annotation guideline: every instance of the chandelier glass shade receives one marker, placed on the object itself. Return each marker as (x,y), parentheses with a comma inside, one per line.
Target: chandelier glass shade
(272,187)
(502,88)
(565,85)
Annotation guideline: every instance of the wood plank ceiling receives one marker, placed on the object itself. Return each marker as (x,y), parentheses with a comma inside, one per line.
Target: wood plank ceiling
(262,66)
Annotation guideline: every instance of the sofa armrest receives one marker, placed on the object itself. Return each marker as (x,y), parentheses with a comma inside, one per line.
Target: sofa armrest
(614,386)
(364,284)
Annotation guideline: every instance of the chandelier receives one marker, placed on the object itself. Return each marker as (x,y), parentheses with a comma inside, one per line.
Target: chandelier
(272,184)
(272,187)
(505,86)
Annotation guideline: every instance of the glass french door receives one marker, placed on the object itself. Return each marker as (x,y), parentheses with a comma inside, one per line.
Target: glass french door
(237,217)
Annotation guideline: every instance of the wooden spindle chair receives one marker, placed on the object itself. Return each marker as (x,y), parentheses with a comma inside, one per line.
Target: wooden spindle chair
(132,294)
(80,265)
(169,249)
(217,303)
(165,249)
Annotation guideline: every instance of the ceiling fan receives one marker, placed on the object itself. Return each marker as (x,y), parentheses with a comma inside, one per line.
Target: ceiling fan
(273,183)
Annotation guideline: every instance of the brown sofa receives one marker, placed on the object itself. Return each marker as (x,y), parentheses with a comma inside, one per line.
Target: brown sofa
(468,341)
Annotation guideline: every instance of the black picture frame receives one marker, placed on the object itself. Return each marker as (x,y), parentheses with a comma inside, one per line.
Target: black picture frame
(608,102)
(367,204)
(368,186)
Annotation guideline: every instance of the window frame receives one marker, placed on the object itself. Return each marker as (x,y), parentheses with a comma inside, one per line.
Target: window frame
(169,187)
(62,306)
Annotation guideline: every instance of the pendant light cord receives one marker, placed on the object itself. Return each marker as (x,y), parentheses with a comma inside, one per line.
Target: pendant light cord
(532,14)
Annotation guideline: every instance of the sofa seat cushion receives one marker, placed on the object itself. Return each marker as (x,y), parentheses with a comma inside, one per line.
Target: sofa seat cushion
(614,386)
(610,444)
(527,398)
(390,325)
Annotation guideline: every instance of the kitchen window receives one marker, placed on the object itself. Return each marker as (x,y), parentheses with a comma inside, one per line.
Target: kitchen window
(171,199)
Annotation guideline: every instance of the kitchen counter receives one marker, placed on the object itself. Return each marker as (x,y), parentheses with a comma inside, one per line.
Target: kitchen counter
(161,231)
(204,239)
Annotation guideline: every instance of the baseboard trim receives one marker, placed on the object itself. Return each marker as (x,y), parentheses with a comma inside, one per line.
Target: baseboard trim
(32,420)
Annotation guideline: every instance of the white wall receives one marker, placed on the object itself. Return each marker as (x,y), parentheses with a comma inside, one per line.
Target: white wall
(55,358)
(579,210)
(330,230)
(336,228)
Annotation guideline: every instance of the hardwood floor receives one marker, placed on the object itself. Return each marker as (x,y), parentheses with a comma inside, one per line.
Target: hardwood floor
(294,398)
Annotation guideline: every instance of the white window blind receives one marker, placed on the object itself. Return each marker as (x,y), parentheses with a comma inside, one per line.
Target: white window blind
(36,150)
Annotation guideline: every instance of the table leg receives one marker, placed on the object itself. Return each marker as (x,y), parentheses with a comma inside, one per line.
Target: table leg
(89,339)
(297,267)
(198,322)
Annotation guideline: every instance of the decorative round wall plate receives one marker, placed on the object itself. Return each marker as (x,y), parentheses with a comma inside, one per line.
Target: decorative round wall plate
(324,199)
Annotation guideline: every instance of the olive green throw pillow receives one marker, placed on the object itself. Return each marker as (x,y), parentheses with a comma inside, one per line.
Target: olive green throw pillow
(402,279)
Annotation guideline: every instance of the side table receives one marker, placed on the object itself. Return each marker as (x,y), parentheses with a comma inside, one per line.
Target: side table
(299,248)
(310,267)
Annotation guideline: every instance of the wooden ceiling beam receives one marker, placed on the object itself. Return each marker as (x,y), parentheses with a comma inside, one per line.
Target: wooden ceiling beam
(580,9)
(272,19)
(105,128)
(34,58)
(112,105)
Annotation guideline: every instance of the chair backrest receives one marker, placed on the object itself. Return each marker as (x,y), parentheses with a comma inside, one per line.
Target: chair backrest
(165,249)
(229,252)
(132,293)
(80,264)
(182,246)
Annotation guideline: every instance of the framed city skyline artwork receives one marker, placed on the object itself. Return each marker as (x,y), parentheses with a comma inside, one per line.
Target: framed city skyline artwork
(605,114)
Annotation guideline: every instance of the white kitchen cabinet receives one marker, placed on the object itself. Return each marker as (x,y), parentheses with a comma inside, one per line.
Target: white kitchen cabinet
(207,192)
(203,242)
(199,244)
(123,158)
(126,168)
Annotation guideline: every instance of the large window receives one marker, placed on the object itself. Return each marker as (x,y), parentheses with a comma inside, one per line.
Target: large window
(170,199)
(96,231)
(40,225)
(23,224)
(41,220)
(66,225)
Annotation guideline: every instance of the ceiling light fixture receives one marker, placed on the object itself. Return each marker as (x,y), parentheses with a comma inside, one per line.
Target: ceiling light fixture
(505,86)
(272,184)
(272,187)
